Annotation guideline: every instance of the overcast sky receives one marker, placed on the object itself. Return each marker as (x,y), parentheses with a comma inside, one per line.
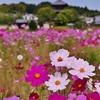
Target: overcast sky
(91,4)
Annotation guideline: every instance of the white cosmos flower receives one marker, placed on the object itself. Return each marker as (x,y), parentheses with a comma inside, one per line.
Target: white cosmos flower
(19,57)
(60,58)
(57,82)
(82,69)
(93,85)
(0,59)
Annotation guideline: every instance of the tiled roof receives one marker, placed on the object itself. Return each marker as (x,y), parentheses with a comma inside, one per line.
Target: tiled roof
(59,2)
(21,21)
(97,18)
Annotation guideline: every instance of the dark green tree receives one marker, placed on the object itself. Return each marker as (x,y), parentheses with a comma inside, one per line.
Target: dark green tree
(31,8)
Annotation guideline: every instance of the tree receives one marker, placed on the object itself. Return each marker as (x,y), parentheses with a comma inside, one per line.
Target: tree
(44,4)
(71,15)
(21,8)
(61,19)
(31,8)
(45,14)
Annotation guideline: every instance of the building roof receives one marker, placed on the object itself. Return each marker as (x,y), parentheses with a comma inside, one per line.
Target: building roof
(97,18)
(59,2)
(89,20)
(21,21)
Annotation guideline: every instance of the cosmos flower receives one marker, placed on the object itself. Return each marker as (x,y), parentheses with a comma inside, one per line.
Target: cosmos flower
(60,58)
(79,85)
(99,67)
(33,63)
(12,98)
(37,58)
(55,96)
(33,96)
(57,82)
(23,25)
(93,96)
(82,97)
(19,66)
(37,75)
(82,69)
(0,59)
(72,96)
(3,90)
(93,85)
(19,57)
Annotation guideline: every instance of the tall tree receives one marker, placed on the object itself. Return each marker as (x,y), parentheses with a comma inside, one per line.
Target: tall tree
(44,4)
(45,14)
(31,8)
(71,15)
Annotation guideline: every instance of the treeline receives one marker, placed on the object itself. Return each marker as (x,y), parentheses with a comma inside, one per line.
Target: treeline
(23,7)
(32,8)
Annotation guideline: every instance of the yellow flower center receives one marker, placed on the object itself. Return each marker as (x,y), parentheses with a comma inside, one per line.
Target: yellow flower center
(93,81)
(57,82)
(80,85)
(60,59)
(37,75)
(82,70)
(94,88)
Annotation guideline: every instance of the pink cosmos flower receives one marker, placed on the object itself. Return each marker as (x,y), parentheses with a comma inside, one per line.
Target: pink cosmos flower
(37,75)
(56,96)
(37,58)
(33,63)
(82,97)
(72,96)
(23,25)
(99,67)
(12,98)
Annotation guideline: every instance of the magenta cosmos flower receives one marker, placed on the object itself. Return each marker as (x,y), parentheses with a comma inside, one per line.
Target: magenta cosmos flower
(79,85)
(37,75)
(56,96)
(33,96)
(93,96)
(12,98)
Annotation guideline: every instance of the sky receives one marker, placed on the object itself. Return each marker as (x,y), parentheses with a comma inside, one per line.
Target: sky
(91,4)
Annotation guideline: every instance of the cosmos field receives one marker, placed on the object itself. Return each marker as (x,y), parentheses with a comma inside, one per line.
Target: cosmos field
(48,64)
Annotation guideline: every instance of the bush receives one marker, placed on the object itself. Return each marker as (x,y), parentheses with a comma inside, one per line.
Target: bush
(32,25)
(6,19)
(78,24)
(40,23)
